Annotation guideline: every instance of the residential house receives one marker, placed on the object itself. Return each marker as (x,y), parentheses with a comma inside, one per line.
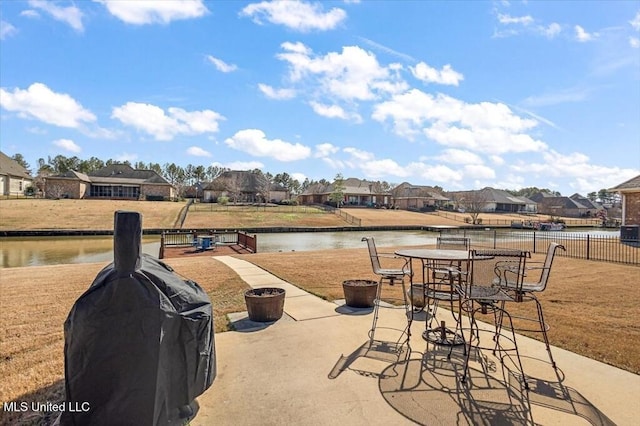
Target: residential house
(357,192)
(245,187)
(418,197)
(491,200)
(594,207)
(116,181)
(14,178)
(560,205)
(630,193)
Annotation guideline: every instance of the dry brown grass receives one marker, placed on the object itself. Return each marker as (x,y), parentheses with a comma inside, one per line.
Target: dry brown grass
(29,214)
(35,303)
(241,217)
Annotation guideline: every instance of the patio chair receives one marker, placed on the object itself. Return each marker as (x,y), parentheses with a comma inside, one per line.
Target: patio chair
(526,292)
(390,276)
(483,294)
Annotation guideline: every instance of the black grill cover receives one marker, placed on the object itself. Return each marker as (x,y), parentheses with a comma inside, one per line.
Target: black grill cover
(139,345)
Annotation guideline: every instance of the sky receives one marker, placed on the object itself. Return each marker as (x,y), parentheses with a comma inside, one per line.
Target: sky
(458,94)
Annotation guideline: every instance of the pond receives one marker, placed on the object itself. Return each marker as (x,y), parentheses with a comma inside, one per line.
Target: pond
(35,251)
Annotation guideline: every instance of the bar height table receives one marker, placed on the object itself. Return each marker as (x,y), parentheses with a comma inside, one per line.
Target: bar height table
(429,258)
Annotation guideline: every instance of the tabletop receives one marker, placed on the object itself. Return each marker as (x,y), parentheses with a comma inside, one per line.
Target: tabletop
(433,254)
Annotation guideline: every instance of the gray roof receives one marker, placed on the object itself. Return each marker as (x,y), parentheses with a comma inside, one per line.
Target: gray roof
(499,196)
(585,201)
(406,190)
(10,167)
(633,183)
(562,202)
(116,174)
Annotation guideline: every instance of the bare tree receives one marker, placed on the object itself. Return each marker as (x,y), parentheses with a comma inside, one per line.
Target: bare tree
(473,203)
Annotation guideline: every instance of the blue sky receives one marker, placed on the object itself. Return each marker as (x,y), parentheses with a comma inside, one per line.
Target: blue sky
(463,95)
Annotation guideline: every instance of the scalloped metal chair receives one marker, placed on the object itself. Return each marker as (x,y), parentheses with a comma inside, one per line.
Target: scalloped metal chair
(536,277)
(389,276)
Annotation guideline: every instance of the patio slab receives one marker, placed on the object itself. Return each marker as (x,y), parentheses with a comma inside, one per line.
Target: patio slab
(323,371)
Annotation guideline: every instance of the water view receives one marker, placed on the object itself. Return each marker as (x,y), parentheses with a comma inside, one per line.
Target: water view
(36,251)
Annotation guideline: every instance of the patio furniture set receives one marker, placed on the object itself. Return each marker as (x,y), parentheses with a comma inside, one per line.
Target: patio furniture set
(476,284)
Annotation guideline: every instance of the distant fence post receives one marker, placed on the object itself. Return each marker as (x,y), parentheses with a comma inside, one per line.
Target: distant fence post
(588,247)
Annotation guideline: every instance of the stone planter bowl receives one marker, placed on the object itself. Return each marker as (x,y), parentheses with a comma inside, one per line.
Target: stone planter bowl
(265,304)
(359,293)
(416,295)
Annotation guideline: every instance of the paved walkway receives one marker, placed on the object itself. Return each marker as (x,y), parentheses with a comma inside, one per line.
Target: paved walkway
(315,367)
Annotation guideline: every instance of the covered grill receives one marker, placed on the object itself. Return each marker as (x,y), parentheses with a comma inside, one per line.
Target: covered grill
(139,344)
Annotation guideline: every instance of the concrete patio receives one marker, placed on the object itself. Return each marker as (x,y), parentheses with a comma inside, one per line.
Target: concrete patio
(315,367)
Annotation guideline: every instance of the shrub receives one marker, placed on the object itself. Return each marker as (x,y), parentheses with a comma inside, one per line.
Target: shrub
(223,201)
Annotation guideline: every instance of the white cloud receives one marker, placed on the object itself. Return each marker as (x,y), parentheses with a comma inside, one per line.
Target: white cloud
(221,65)
(141,12)
(635,22)
(198,152)
(239,165)
(506,19)
(296,15)
(358,154)
(70,15)
(300,177)
(583,36)
(334,111)
(30,13)
(552,30)
(255,142)
(349,76)
(446,75)
(459,156)
(6,30)
(484,127)
(40,102)
(279,94)
(435,173)
(379,168)
(165,126)
(578,169)
(634,42)
(479,171)
(67,145)
(325,149)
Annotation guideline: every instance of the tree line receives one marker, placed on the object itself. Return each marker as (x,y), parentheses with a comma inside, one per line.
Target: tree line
(182,177)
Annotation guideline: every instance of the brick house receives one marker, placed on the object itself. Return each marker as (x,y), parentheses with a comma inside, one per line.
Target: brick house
(417,197)
(245,187)
(14,178)
(116,181)
(630,193)
(357,192)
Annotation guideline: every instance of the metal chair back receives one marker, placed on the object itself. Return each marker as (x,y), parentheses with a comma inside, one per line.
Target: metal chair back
(541,285)
(373,255)
(453,243)
(493,268)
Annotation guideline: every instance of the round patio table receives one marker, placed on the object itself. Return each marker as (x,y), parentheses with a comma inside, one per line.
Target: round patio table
(429,258)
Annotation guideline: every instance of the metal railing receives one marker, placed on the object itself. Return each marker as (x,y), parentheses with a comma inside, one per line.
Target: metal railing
(348,217)
(186,238)
(579,246)
(515,217)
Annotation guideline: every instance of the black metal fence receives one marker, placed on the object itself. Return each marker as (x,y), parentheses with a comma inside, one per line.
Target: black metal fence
(580,246)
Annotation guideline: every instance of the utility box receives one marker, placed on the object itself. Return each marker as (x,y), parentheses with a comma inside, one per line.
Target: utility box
(630,233)
(139,343)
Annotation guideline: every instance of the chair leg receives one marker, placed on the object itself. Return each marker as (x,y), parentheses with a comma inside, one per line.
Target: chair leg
(376,306)
(515,344)
(543,328)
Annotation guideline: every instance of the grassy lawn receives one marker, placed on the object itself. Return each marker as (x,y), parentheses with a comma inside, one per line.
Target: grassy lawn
(208,215)
(35,303)
(29,214)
